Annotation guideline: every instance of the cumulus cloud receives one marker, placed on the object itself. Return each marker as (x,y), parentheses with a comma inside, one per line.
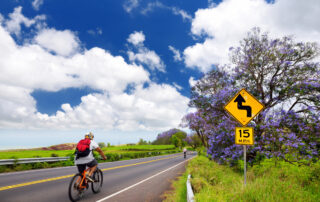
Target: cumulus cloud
(225,24)
(143,55)
(36,4)
(16,19)
(136,38)
(32,66)
(63,43)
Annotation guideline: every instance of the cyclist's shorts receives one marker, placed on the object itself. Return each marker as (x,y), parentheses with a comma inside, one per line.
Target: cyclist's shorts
(82,167)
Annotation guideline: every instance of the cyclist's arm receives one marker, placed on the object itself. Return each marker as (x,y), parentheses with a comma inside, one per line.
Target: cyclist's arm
(101,153)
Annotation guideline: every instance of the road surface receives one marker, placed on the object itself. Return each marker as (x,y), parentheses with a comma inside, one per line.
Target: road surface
(135,180)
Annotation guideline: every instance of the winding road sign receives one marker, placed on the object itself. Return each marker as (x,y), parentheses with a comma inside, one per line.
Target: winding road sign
(244,107)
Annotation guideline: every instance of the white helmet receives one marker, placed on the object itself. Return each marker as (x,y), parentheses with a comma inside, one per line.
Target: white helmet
(89,135)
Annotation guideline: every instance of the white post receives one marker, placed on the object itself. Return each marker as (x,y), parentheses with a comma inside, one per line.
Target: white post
(245,163)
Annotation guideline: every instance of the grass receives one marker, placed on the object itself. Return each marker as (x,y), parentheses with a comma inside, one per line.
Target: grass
(179,192)
(33,153)
(265,182)
(114,153)
(61,153)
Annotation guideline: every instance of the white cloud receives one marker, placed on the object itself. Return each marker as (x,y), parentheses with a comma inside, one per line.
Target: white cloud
(97,31)
(177,86)
(176,11)
(176,54)
(192,81)
(29,67)
(13,25)
(225,24)
(36,4)
(64,43)
(182,13)
(136,38)
(129,5)
(143,54)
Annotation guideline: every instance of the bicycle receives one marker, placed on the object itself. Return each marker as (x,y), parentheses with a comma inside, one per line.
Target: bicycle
(79,184)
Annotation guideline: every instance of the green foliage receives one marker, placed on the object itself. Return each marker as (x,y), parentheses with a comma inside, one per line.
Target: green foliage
(101,144)
(54,155)
(142,142)
(180,190)
(265,182)
(113,153)
(176,141)
(165,137)
(33,153)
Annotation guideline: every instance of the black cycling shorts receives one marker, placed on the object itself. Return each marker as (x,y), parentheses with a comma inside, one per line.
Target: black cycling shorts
(82,167)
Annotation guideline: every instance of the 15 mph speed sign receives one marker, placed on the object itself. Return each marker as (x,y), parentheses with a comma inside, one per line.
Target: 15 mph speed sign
(244,136)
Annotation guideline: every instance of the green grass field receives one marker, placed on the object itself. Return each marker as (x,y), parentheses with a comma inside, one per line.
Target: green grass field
(265,182)
(61,153)
(113,153)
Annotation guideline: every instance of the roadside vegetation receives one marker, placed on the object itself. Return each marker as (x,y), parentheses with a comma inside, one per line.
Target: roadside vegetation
(271,180)
(113,153)
(283,164)
(167,142)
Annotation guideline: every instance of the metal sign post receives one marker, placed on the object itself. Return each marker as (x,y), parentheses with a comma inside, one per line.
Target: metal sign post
(244,107)
(245,163)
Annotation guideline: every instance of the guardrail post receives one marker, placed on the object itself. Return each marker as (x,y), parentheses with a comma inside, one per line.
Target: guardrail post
(190,195)
(32,160)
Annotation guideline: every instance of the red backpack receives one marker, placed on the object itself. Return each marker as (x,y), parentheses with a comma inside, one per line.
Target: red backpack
(83,148)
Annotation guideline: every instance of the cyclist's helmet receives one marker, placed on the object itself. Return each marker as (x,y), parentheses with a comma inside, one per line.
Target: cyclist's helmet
(89,135)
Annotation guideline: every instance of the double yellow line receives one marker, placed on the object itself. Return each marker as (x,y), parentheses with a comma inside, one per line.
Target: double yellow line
(67,176)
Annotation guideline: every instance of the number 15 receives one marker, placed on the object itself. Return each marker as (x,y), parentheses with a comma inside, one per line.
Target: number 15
(245,133)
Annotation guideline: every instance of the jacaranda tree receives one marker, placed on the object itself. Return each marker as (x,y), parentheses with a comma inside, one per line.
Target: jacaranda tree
(285,77)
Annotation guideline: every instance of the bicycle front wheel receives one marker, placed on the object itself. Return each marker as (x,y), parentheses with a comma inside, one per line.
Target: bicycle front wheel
(98,180)
(75,193)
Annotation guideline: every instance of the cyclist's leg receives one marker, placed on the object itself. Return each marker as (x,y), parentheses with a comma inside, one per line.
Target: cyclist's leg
(81,168)
(93,166)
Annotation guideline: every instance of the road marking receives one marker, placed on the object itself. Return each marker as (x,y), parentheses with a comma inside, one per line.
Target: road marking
(67,176)
(142,181)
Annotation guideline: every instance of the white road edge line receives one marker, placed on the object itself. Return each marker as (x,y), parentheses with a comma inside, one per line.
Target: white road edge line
(125,189)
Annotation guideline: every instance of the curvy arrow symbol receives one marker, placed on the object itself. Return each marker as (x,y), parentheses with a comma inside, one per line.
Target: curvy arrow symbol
(240,100)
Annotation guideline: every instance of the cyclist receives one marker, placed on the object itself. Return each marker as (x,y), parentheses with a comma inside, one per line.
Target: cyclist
(185,152)
(89,160)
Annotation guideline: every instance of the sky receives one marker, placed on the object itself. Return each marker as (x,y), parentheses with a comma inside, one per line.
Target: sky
(122,69)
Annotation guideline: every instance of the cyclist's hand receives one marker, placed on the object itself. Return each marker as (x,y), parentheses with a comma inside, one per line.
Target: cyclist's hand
(104,158)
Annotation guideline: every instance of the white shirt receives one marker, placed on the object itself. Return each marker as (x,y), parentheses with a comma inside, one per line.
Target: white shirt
(89,158)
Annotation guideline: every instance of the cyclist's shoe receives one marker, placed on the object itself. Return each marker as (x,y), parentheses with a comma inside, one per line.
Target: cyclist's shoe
(89,178)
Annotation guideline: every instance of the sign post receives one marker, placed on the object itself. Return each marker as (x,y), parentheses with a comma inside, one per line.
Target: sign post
(244,107)
(245,164)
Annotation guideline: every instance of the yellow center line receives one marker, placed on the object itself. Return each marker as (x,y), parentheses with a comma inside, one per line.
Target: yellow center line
(67,176)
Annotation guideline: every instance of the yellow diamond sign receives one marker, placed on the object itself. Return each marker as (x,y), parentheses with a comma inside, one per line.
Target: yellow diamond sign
(244,107)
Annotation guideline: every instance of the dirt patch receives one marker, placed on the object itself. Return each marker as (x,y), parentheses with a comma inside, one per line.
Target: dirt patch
(67,146)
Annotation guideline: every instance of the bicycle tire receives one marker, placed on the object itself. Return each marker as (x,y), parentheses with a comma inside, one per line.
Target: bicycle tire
(73,189)
(98,177)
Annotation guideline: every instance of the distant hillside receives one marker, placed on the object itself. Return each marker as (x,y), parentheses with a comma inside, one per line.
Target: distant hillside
(67,146)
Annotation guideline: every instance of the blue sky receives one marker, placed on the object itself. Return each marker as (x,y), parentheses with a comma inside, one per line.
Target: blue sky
(122,69)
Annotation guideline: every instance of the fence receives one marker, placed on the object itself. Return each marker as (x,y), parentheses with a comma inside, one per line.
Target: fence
(32,160)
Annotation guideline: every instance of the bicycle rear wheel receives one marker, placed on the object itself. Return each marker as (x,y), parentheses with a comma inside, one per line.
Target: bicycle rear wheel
(75,193)
(98,180)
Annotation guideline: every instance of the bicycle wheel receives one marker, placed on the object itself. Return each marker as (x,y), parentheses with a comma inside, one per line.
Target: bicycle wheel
(75,193)
(98,180)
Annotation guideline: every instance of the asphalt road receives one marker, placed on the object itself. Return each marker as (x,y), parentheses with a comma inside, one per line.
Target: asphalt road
(135,180)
